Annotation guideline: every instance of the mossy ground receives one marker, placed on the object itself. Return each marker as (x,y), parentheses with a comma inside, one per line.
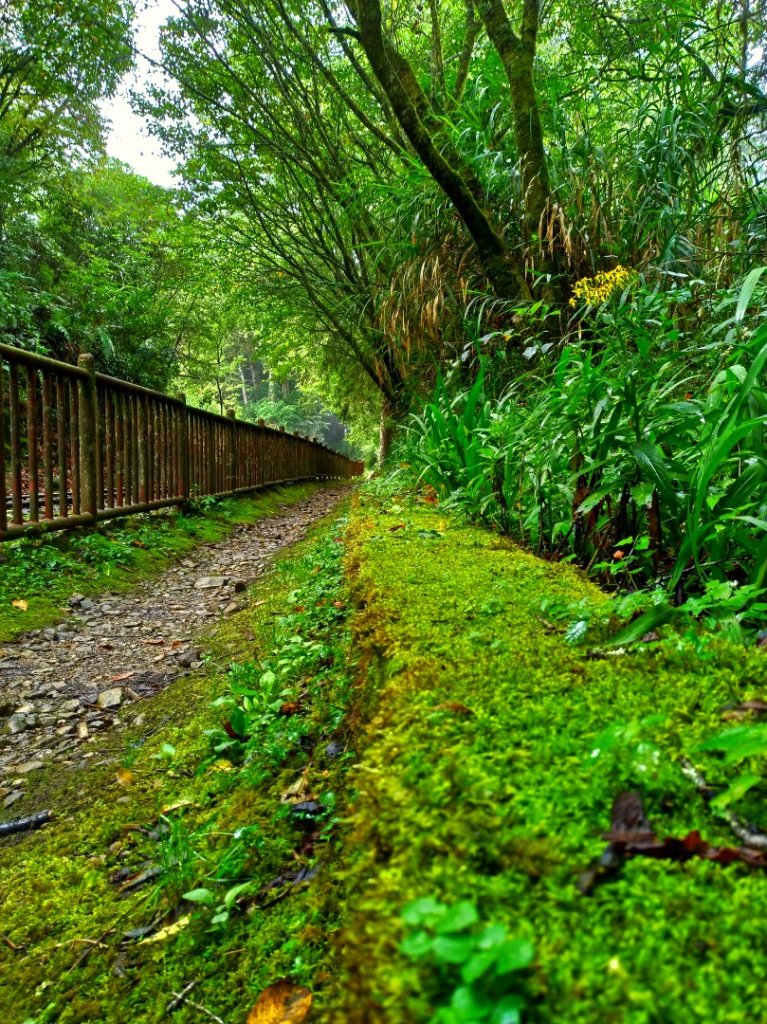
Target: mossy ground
(64,955)
(44,571)
(478,783)
(477,726)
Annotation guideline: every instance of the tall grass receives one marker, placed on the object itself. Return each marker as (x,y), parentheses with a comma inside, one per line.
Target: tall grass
(638,448)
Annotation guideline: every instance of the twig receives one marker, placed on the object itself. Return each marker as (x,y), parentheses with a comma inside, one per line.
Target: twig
(206,1011)
(8,828)
(9,942)
(754,838)
(180,997)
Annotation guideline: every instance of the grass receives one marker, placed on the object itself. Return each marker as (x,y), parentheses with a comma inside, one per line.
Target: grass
(43,572)
(479,783)
(159,792)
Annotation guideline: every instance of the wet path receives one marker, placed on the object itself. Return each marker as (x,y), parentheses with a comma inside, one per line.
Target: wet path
(61,686)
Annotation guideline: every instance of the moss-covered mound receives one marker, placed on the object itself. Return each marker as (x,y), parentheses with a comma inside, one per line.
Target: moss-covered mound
(494,754)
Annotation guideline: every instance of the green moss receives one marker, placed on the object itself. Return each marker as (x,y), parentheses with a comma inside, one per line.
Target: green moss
(478,782)
(44,571)
(64,955)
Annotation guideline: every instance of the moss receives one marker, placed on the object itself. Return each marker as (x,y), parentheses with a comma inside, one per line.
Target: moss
(64,955)
(44,571)
(478,782)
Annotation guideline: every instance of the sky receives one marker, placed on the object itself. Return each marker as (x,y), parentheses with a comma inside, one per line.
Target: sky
(128,139)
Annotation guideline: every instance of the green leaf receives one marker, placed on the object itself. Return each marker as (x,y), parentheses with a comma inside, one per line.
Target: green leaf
(479,964)
(423,909)
(199,896)
(453,949)
(515,955)
(656,616)
(739,743)
(507,1011)
(746,291)
(469,1004)
(417,945)
(458,918)
(736,790)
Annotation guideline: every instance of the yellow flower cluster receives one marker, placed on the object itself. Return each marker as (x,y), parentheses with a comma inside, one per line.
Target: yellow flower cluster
(595,290)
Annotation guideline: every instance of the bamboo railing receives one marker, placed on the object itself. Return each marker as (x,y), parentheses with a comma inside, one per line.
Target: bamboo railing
(77,447)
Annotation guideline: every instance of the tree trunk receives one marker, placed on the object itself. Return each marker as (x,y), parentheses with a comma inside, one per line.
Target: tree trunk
(389,417)
(517,53)
(421,126)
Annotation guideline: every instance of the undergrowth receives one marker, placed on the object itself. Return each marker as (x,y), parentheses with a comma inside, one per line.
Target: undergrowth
(635,447)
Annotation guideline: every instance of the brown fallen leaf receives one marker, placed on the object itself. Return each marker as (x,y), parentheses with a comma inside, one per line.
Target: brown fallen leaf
(281,1003)
(20,604)
(124,676)
(125,777)
(754,707)
(397,526)
(298,790)
(630,835)
(155,642)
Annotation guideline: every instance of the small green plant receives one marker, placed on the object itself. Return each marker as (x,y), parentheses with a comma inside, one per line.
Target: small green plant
(477,969)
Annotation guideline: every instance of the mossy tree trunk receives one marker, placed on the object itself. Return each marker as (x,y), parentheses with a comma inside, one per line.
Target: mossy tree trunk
(421,125)
(517,53)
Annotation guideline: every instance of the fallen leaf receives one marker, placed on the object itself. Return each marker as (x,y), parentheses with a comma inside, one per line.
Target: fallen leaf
(20,604)
(339,604)
(754,707)
(125,675)
(180,805)
(169,931)
(154,642)
(290,707)
(397,526)
(125,777)
(281,1003)
(297,791)
(631,835)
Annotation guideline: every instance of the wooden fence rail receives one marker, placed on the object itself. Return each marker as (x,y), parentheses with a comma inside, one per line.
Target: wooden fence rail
(77,447)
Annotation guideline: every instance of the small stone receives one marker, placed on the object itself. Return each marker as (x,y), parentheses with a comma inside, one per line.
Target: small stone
(82,730)
(187,658)
(71,705)
(29,766)
(210,583)
(20,722)
(231,608)
(110,698)
(76,600)
(17,794)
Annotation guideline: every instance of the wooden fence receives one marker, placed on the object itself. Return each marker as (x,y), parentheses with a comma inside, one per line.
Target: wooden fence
(77,447)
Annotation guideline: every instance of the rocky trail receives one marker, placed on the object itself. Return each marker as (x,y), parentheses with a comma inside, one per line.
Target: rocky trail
(63,685)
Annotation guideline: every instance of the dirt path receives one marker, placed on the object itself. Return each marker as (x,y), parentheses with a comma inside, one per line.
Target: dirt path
(62,685)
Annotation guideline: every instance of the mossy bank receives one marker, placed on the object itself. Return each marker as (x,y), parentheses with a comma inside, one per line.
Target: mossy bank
(493,757)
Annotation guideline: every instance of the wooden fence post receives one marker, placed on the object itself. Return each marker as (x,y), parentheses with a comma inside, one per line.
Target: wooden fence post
(88,435)
(183,449)
(231,481)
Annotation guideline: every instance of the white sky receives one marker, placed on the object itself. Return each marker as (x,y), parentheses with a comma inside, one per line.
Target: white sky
(128,139)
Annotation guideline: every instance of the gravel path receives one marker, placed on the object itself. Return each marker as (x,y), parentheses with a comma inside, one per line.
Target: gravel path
(62,685)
